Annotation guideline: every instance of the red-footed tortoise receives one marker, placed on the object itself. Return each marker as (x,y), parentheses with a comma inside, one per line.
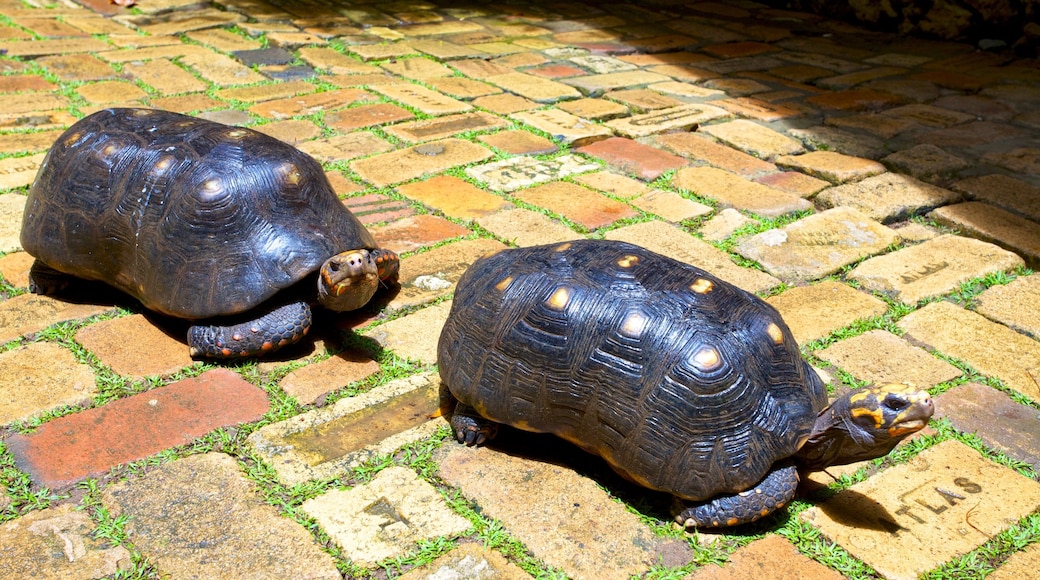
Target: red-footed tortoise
(202,221)
(683,383)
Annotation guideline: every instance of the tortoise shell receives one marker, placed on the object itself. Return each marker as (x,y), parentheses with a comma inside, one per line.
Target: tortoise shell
(191,217)
(682,382)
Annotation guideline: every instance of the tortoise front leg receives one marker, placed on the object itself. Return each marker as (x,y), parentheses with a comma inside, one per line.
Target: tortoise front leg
(775,490)
(282,326)
(470,428)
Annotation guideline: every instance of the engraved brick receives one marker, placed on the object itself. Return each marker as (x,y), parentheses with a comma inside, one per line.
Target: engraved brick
(385,517)
(932,268)
(682,117)
(817,245)
(465,560)
(423,99)
(518,172)
(15,172)
(992,348)
(58,542)
(441,127)
(912,517)
(563,126)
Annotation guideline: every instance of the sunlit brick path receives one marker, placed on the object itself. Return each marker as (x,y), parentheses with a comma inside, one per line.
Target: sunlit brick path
(882,192)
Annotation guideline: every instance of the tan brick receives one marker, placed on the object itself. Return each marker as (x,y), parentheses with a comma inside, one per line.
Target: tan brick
(164,76)
(815,311)
(518,172)
(1003,191)
(992,224)
(880,357)
(703,149)
(39,377)
(817,245)
(534,88)
(111,92)
(1013,304)
(447,126)
(752,138)
(266,92)
(992,348)
(58,542)
(731,190)
(887,197)
(414,337)
(417,68)
(773,553)
(564,518)
(434,273)
(15,172)
(912,517)
(670,205)
(28,313)
(157,353)
(682,117)
(563,126)
(834,167)
(345,147)
(221,523)
(525,227)
(224,71)
(593,109)
(932,268)
(426,159)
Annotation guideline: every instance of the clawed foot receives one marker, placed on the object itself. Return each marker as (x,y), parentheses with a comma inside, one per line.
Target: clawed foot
(470,430)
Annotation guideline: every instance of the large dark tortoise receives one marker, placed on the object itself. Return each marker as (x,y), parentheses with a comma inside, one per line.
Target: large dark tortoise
(683,383)
(201,221)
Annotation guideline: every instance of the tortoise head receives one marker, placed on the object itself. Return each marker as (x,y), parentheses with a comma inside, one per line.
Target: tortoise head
(864,424)
(347,281)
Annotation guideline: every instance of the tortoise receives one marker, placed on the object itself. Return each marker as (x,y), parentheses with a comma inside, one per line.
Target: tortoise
(220,225)
(682,382)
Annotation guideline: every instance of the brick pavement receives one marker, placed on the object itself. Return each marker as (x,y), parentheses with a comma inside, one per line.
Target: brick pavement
(882,191)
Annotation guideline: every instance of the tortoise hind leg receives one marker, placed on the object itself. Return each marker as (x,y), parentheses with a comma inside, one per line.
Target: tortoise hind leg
(470,428)
(775,490)
(280,327)
(46,280)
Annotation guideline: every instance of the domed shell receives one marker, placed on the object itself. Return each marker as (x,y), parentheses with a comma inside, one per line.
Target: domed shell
(191,217)
(681,381)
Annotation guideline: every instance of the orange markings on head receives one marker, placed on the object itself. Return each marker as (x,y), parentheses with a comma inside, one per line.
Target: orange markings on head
(702,286)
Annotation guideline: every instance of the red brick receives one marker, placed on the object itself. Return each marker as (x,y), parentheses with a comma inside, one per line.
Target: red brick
(71,448)
(632,157)
(414,232)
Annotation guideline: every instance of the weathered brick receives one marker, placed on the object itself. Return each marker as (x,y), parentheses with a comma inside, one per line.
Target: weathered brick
(753,138)
(419,160)
(880,357)
(634,158)
(578,204)
(887,197)
(992,348)
(731,190)
(815,311)
(983,221)
(932,268)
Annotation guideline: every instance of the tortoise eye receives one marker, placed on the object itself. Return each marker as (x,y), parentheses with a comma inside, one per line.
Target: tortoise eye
(896,402)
